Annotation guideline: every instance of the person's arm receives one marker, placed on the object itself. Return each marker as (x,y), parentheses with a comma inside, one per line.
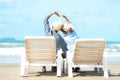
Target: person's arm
(53,12)
(49,15)
(67,20)
(47,29)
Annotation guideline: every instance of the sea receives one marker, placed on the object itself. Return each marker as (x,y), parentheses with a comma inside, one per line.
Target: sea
(10,52)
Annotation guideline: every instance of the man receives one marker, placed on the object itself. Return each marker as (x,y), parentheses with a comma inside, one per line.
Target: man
(56,26)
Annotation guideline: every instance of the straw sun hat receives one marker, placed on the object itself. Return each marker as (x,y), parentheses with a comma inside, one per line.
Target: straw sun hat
(57,25)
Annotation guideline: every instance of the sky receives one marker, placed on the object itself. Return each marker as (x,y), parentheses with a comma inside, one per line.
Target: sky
(90,18)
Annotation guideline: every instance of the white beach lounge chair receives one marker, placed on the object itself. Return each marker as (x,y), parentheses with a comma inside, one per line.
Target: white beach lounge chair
(40,51)
(88,53)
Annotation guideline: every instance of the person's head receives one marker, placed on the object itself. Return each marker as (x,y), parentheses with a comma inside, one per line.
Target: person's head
(66,28)
(57,25)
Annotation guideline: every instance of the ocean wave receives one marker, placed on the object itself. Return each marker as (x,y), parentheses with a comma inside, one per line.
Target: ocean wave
(18,51)
(13,55)
(11,52)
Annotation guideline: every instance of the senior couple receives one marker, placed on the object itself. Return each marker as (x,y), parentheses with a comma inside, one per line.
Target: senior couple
(64,43)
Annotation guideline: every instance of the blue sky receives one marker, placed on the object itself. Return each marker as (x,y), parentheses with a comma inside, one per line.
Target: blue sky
(90,18)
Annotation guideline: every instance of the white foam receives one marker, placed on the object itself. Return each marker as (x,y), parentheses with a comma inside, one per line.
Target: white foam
(18,51)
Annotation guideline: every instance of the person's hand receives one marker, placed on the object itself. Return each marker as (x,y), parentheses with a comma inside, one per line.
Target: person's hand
(57,13)
(54,12)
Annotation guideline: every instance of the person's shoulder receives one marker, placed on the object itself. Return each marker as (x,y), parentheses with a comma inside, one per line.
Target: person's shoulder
(72,30)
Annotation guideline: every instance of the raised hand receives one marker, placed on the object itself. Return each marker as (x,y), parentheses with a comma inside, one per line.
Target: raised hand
(54,12)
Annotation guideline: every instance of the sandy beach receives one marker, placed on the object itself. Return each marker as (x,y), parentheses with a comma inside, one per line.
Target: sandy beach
(12,72)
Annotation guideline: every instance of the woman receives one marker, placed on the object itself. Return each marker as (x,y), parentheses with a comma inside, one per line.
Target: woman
(69,36)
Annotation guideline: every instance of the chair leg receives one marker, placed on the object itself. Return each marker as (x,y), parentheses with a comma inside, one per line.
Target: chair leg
(22,71)
(59,70)
(105,71)
(27,68)
(70,73)
(64,67)
(69,64)
(105,64)
(59,63)
(59,67)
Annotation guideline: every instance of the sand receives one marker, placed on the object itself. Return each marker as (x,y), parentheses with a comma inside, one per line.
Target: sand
(12,72)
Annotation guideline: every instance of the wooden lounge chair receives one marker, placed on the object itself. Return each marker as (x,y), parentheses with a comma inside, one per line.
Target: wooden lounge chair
(40,51)
(88,53)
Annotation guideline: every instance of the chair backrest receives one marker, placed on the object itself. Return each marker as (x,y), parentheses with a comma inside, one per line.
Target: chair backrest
(40,49)
(88,50)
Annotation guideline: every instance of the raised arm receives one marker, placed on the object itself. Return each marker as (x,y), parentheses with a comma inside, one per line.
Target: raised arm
(50,14)
(67,20)
(47,29)
(53,12)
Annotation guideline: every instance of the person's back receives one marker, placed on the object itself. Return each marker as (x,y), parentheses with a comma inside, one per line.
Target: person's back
(70,36)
